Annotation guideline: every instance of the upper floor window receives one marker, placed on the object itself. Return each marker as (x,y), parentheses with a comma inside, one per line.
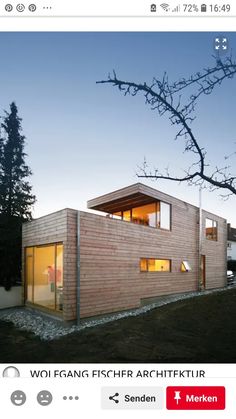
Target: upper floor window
(211,229)
(145,215)
(165,216)
(156,214)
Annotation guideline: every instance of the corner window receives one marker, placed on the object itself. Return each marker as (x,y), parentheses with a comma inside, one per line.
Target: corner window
(211,229)
(155,265)
(44,275)
(156,214)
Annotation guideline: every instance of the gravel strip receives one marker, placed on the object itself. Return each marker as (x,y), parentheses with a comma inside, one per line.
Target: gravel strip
(48,328)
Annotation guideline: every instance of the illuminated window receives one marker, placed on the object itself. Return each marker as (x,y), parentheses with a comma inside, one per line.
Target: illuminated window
(29,272)
(211,229)
(185,266)
(145,215)
(127,215)
(143,265)
(44,275)
(157,215)
(155,265)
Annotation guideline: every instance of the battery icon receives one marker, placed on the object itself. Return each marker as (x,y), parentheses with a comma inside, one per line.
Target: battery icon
(203,8)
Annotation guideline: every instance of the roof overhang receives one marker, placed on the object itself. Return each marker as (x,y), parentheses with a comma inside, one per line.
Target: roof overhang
(132,196)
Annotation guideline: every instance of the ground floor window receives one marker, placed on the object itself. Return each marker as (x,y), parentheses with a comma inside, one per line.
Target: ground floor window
(44,275)
(155,265)
(185,266)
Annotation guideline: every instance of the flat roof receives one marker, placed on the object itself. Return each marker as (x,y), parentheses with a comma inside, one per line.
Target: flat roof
(132,196)
(123,199)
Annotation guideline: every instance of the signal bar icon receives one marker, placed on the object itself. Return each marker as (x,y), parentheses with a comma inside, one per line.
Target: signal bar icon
(176,9)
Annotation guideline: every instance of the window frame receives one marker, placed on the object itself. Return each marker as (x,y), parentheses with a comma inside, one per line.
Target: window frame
(157,224)
(155,271)
(33,247)
(214,225)
(185,266)
(170,215)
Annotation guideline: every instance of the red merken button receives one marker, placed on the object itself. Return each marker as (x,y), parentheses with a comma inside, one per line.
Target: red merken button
(195,398)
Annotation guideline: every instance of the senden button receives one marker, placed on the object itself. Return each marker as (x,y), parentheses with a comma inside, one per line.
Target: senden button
(132,398)
(195,398)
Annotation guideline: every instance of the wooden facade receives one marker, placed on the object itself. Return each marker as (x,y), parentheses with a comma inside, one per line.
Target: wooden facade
(102,254)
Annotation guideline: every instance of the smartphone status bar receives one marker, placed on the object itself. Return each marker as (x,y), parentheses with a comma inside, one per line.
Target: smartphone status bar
(109,8)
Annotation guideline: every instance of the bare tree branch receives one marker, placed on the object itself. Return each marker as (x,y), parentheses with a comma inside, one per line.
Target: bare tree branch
(166,98)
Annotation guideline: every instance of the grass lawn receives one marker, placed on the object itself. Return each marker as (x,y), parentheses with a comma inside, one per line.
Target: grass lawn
(201,329)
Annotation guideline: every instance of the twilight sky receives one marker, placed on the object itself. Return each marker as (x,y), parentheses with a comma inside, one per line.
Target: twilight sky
(83,139)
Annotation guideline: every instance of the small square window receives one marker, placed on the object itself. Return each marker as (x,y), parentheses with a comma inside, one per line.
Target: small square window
(211,229)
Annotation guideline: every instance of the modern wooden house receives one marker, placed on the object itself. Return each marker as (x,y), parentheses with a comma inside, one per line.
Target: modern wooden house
(145,244)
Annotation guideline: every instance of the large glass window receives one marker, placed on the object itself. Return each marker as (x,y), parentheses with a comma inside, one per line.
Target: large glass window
(155,265)
(211,229)
(156,214)
(145,215)
(59,277)
(44,275)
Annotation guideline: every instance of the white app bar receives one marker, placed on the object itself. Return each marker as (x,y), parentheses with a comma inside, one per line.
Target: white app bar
(103,390)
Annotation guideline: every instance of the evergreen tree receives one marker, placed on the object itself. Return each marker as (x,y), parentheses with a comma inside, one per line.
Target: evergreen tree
(16,199)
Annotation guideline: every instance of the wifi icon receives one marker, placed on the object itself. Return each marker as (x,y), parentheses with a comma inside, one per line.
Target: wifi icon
(165,7)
